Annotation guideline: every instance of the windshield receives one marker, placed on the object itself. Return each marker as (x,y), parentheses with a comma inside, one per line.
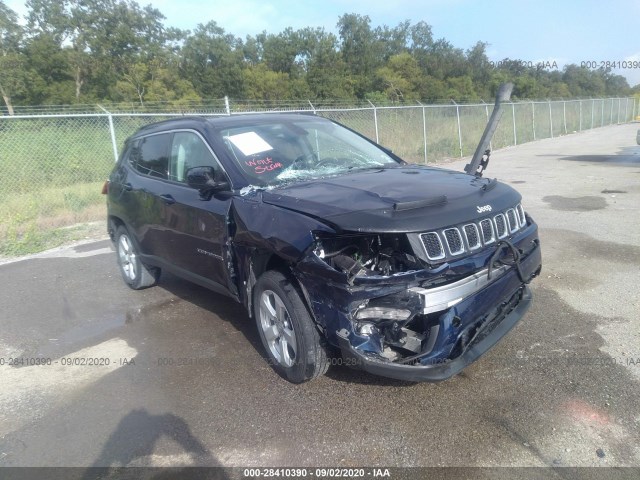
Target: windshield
(278,152)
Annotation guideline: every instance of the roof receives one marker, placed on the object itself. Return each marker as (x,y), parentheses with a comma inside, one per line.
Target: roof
(198,122)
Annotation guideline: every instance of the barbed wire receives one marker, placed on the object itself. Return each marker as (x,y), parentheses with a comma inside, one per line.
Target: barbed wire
(224,106)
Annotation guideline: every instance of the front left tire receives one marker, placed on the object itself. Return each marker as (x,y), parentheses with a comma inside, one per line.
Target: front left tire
(291,338)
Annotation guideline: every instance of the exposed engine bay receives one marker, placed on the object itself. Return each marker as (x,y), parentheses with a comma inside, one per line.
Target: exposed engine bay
(374,255)
(357,255)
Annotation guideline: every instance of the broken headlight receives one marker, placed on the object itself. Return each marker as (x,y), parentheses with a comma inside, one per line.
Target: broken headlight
(365,254)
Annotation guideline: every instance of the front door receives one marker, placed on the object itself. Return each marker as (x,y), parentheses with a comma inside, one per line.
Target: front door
(195,229)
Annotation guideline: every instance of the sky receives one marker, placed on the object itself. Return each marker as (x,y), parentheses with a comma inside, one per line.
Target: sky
(561,31)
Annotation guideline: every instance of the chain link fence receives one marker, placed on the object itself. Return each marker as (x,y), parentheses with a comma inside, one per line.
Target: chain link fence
(53,165)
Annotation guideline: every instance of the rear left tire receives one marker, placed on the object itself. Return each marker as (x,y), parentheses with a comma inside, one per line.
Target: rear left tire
(135,274)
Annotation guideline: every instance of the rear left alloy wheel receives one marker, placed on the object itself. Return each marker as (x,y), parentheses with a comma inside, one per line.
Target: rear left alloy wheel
(134,273)
(290,337)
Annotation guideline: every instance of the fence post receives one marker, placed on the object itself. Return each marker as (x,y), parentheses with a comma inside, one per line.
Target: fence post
(580,127)
(602,114)
(611,113)
(626,110)
(550,120)
(513,114)
(424,131)
(226,105)
(593,106)
(533,119)
(312,107)
(459,130)
(375,120)
(564,115)
(112,130)
(618,121)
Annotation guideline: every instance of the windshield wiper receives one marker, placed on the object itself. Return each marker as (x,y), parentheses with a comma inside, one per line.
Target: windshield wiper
(376,167)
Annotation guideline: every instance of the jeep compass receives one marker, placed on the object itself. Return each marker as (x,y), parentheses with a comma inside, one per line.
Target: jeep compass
(338,249)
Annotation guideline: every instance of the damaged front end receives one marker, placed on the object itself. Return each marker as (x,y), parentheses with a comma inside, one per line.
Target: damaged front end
(394,312)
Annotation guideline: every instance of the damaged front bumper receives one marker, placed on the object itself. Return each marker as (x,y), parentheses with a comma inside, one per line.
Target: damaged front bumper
(427,329)
(438,369)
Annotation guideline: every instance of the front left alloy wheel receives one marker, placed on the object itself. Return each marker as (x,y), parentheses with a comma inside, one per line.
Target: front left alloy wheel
(292,341)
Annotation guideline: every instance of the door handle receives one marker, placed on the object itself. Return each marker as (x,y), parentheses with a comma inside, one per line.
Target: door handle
(168,199)
(127,187)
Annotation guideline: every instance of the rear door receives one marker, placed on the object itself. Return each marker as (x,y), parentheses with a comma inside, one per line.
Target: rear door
(146,169)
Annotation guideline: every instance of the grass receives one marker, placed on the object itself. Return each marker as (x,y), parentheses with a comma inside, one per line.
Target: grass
(33,222)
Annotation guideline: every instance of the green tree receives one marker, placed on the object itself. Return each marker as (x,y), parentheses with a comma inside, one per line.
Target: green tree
(393,41)
(116,50)
(213,61)
(326,72)
(443,61)
(401,78)
(51,81)
(615,84)
(12,61)
(479,68)
(67,22)
(154,81)
(261,83)
(359,50)
(281,52)
(583,82)
(461,89)
(99,38)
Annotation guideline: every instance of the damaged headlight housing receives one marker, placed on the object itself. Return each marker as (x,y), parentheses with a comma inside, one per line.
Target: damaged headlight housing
(366,254)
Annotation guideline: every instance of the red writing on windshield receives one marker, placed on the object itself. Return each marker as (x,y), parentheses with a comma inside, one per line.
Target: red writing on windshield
(264,165)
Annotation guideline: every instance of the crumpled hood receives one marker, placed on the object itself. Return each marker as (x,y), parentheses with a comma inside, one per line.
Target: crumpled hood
(402,199)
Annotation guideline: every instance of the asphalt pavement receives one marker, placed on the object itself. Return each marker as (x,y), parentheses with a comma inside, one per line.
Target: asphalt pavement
(175,375)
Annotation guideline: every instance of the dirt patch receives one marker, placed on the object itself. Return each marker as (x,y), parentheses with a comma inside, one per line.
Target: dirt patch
(576,204)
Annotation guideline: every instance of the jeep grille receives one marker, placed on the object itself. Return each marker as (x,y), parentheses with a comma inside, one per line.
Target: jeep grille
(457,240)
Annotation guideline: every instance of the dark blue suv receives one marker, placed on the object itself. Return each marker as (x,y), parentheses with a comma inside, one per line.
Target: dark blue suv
(340,251)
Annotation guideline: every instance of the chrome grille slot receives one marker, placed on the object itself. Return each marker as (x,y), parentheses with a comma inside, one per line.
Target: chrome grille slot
(432,245)
(488,234)
(501,225)
(512,220)
(472,236)
(521,216)
(454,241)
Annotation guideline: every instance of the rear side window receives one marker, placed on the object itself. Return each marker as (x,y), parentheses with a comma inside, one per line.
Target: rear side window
(152,155)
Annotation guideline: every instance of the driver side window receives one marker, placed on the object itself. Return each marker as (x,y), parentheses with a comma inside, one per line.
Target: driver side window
(188,151)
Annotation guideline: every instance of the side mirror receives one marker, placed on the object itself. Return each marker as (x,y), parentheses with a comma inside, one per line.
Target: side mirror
(204,180)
